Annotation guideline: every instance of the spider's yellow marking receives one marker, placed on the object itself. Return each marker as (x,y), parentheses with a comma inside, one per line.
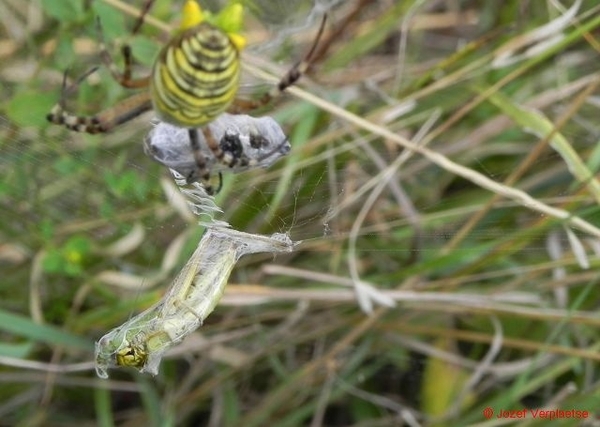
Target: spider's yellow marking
(192,15)
(230,19)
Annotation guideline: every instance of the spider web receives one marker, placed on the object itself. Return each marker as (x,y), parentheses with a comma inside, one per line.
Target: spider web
(93,228)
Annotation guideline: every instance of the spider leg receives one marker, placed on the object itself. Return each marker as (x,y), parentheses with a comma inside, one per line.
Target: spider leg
(67,91)
(103,121)
(233,150)
(123,78)
(294,74)
(220,183)
(289,79)
(203,171)
(276,149)
(140,21)
(58,115)
(229,152)
(122,112)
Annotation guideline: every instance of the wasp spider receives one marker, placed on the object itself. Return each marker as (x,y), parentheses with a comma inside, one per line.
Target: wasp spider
(195,78)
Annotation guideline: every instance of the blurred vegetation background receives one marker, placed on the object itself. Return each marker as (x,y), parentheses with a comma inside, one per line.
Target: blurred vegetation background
(486,238)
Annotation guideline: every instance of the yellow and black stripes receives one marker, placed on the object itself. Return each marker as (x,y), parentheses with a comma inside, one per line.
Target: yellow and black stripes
(105,121)
(195,77)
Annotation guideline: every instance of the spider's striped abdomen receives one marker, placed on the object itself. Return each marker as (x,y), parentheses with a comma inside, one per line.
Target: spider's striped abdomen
(195,77)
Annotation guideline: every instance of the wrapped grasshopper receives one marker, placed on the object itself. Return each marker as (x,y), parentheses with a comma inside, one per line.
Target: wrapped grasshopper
(142,341)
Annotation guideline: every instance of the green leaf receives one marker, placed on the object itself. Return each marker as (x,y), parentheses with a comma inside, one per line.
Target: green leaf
(30,107)
(145,50)
(536,123)
(27,328)
(77,247)
(104,411)
(19,350)
(231,405)
(113,24)
(64,55)
(64,10)
(53,262)
(46,229)
(69,259)
(442,383)
(67,165)
(593,161)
